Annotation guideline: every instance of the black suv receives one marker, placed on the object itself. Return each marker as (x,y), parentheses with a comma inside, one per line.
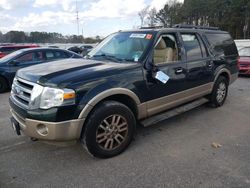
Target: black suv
(130,77)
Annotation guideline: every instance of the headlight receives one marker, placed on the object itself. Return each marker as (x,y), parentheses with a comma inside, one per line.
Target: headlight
(45,97)
(56,97)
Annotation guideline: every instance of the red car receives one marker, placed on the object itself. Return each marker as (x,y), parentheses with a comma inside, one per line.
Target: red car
(244,61)
(5,50)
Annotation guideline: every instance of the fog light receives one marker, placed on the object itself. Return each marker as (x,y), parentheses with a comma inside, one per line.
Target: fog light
(42,129)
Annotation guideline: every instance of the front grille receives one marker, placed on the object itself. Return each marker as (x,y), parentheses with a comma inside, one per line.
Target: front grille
(21,92)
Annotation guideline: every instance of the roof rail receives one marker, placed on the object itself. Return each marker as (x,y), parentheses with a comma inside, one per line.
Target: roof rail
(195,27)
(152,27)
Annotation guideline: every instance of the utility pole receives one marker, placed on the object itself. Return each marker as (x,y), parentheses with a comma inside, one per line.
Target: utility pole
(245,28)
(77,19)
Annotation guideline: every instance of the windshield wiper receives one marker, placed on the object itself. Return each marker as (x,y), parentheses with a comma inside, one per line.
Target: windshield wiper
(108,57)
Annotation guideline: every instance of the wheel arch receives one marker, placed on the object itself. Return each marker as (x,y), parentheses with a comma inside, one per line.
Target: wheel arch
(124,96)
(223,72)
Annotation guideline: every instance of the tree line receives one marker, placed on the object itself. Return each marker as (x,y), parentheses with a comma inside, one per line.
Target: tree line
(229,15)
(44,37)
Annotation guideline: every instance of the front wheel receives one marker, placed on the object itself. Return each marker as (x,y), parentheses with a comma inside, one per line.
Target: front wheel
(109,129)
(219,93)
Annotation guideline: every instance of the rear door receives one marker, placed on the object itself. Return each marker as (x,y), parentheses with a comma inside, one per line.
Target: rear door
(199,64)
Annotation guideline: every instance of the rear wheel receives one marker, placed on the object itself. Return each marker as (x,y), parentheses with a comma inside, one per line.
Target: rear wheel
(109,129)
(219,93)
(3,85)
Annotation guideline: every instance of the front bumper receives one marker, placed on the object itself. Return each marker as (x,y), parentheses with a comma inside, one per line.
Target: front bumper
(51,131)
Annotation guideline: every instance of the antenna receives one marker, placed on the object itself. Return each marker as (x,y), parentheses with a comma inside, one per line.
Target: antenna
(77,18)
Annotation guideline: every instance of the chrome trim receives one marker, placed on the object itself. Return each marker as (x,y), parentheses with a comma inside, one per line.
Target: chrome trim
(18,92)
(18,103)
(24,98)
(25,81)
(26,90)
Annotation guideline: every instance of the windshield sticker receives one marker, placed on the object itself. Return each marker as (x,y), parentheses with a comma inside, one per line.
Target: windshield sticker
(138,35)
(149,36)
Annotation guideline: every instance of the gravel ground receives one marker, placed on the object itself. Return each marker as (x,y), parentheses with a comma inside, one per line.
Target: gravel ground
(174,153)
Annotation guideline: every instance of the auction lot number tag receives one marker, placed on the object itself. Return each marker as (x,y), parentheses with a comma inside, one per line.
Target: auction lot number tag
(138,35)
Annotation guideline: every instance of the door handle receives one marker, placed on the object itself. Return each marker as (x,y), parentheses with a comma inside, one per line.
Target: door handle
(209,64)
(178,70)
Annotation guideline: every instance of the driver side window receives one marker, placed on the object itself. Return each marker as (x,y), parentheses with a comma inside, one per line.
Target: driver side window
(166,50)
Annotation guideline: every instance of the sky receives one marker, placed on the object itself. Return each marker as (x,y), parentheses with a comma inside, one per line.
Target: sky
(96,17)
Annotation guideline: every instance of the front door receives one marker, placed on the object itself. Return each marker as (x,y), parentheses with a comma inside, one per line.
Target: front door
(168,59)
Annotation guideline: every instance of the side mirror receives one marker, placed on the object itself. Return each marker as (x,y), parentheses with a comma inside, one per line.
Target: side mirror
(162,77)
(14,63)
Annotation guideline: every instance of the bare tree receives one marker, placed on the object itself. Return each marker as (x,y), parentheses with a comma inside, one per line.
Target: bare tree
(152,17)
(143,14)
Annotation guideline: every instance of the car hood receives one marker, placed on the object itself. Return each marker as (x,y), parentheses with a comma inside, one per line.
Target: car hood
(70,70)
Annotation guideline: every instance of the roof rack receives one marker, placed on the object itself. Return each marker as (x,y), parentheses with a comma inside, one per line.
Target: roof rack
(152,27)
(195,27)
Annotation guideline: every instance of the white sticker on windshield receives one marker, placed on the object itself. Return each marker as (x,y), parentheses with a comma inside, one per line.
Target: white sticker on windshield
(138,35)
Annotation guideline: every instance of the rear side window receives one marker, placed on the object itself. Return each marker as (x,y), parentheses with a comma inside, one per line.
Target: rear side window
(49,55)
(221,44)
(60,54)
(192,46)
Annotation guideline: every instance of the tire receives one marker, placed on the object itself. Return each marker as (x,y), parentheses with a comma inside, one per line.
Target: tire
(3,85)
(109,129)
(219,93)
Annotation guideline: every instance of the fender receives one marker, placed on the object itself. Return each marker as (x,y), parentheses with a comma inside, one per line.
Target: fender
(220,70)
(110,92)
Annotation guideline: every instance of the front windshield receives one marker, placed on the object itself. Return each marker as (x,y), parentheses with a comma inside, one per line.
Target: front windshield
(244,52)
(10,56)
(122,47)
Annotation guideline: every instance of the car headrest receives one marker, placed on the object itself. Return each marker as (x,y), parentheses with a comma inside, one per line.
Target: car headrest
(161,45)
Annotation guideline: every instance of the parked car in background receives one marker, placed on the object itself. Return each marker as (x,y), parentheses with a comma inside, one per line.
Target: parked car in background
(27,57)
(86,48)
(242,43)
(7,49)
(244,61)
(75,49)
(82,49)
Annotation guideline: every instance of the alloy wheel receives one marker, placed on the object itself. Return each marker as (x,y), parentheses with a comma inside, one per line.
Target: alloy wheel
(221,92)
(112,132)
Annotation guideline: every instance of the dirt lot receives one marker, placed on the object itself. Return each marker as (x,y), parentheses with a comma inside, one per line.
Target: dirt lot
(174,153)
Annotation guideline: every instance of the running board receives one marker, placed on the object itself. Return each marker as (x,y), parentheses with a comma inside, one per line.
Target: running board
(170,113)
